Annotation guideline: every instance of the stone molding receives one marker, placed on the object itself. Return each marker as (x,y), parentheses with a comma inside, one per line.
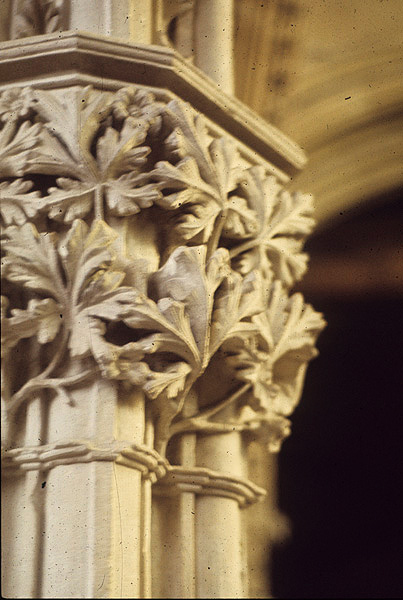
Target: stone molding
(17,461)
(206,482)
(69,58)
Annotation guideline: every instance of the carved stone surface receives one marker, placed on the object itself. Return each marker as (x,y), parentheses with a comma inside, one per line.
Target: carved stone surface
(75,164)
(35,17)
(147,261)
(52,61)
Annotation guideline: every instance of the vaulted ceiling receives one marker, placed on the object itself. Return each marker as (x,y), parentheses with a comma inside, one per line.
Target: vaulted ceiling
(330,75)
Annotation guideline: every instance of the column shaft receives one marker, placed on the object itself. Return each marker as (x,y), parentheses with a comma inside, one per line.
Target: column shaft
(213,39)
(221,559)
(102,17)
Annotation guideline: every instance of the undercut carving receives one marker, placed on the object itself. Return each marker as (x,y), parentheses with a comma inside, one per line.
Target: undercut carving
(79,168)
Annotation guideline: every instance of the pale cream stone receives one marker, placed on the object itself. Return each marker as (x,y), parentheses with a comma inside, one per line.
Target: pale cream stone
(150,248)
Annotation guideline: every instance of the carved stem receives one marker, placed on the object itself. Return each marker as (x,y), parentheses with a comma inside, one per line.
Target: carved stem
(244,247)
(99,203)
(215,237)
(201,421)
(41,382)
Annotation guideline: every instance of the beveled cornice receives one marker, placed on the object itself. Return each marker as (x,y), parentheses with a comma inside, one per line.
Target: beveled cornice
(70,58)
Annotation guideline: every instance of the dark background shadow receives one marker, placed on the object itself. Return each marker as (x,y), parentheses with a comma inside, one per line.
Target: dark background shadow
(340,472)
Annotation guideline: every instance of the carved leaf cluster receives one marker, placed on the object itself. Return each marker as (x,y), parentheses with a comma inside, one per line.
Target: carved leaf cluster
(200,180)
(73,274)
(92,144)
(285,220)
(73,160)
(273,360)
(183,325)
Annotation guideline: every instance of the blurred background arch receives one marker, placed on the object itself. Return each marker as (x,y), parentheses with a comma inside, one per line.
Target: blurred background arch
(330,74)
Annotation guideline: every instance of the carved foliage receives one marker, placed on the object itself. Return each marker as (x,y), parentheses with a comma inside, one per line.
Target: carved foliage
(73,284)
(90,142)
(273,361)
(72,160)
(200,185)
(34,17)
(285,220)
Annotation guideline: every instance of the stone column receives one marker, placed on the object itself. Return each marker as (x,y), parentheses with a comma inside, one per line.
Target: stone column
(222,570)
(78,449)
(148,330)
(214,41)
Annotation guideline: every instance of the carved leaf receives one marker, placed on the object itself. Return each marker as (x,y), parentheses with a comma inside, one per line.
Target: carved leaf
(32,261)
(291,222)
(94,286)
(70,124)
(114,169)
(241,221)
(285,221)
(41,319)
(118,153)
(17,203)
(16,145)
(84,251)
(78,274)
(71,200)
(72,120)
(294,324)
(183,279)
(274,358)
(202,178)
(127,196)
(224,156)
(168,384)
(215,298)
(253,365)
(101,300)
(118,362)
(201,205)
(166,389)
(237,299)
(187,278)
(15,103)
(169,326)
(140,105)
(189,138)
(50,157)
(269,427)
